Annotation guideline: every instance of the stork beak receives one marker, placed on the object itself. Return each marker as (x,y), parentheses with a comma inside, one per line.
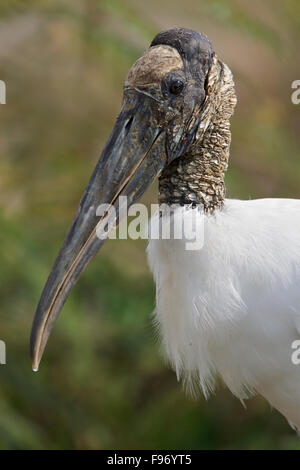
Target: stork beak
(132,157)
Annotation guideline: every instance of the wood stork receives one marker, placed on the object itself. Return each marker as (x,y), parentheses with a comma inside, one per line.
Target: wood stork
(232,308)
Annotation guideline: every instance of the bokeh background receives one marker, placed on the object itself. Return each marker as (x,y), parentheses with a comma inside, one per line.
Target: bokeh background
(103,383)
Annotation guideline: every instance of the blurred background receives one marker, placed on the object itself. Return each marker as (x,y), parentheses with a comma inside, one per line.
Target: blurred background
(103,382)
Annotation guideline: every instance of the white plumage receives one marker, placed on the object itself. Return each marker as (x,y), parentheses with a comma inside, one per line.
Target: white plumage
(232,308)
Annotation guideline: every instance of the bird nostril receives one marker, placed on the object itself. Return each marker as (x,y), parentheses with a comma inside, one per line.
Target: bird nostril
(128,125)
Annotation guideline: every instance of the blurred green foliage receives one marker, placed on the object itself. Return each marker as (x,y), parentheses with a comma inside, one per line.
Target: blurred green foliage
(103,383)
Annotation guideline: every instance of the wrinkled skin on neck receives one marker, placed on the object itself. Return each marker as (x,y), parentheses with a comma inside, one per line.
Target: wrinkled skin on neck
(197,178)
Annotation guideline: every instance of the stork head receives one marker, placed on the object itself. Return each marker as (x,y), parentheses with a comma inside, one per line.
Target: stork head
(168,102)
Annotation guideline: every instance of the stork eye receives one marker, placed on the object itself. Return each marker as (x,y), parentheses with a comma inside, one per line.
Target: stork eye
(176,87)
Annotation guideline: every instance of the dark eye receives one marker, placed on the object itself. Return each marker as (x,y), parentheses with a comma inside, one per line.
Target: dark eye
(176,87)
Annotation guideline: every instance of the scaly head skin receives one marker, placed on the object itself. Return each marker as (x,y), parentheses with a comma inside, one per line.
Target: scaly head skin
(197,177)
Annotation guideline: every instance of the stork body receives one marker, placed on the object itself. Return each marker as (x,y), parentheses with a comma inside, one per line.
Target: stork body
(231,308)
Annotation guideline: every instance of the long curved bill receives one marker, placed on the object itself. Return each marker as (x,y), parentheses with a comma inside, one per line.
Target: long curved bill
(133,156)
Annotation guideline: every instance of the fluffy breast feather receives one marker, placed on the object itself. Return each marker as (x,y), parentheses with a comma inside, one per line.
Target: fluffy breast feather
(232,308)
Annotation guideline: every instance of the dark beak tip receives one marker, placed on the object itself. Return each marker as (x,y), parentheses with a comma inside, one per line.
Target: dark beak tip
(35,346)
(34,356)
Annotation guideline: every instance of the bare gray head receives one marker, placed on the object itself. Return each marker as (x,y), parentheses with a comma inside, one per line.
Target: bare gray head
(197,176)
